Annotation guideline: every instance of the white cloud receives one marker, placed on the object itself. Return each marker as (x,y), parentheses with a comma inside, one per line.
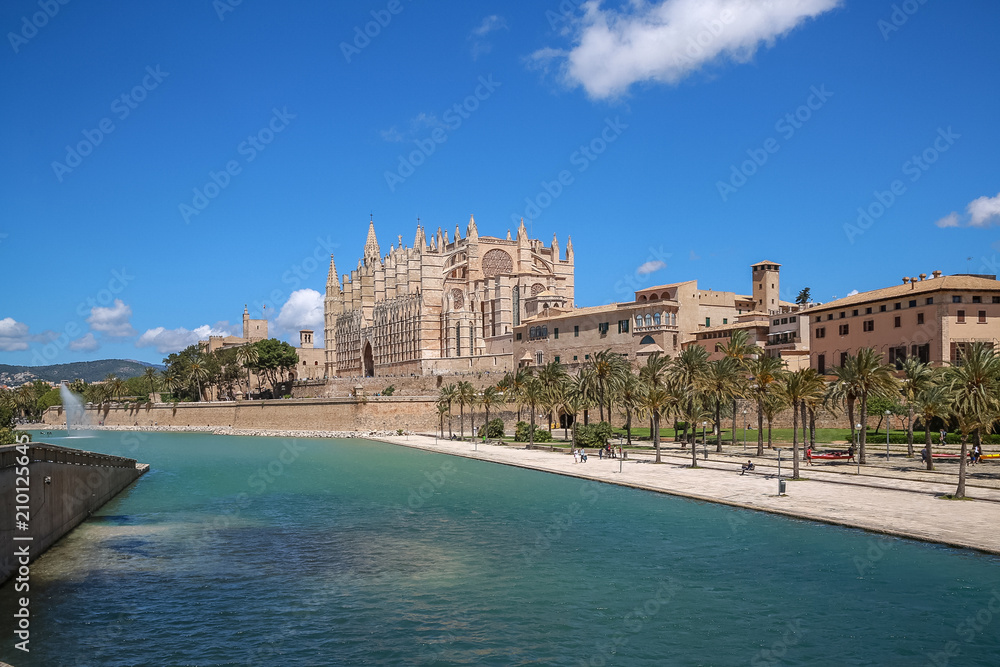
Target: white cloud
(950,220)
(415,126)
(174,340)
(984,212)
(981,212)
(303,310)
(86,344)
(652,266)
(852,292)
(666,40)
(112,321)
(694,257)
(480,46)
(13,335)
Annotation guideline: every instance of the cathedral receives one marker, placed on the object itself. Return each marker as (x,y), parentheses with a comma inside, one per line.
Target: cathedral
(442,306)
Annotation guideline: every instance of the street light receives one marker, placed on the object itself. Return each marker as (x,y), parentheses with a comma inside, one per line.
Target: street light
(704,441)
(887,413)
(857,444)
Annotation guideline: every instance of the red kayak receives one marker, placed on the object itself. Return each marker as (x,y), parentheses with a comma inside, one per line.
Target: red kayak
(830,456)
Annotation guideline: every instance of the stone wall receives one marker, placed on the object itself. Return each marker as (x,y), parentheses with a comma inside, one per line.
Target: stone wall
(65,487)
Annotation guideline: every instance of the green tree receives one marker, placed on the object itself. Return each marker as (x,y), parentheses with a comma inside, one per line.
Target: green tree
(722,382)
(917,376)
(844,390)
(465,395)
(629,399)
(764,373)
(609,369)
(796,388)
(654,403)
(198,373)
(150,376)
(804,296)
(446,396)
(491,398)
(874,379)
(247,357)
(532,393)
(275,358)
(975,389)
(741,350)
(932,401)
(689,370)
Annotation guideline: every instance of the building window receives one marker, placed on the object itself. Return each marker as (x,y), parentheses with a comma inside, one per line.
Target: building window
(458,340)
(817,319)
(961,317)
(821,364)
(868,325)
(982,317)
(776,322)
(896,322)
(829,316)
(602,328)
(656,319)
(844,329)
(517,335)
(575,357)
(638,321)
(843,358)
(538,358)
(555,333)
(929,301)
(843,314)
(854,313)
(576,331)
(921,352)
(517,306)
(622,326)
(996,299)
(881,308)
(557,358)
(708,321)
(820,332)
(977,299)
(920,318)
(897,355)
(957,298)
(897,306)
(791,320)
(586,357)
(868,311)
(725,320)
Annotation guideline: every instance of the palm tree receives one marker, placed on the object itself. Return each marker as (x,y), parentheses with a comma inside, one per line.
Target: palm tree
(247,356)
(552,376)
(764,371)
(932,401)
(689,371)
(150,375)
(814,394)
(198,372)
(609,368)
(844,389)
(796,388)
(722,380)
(447,395)
(975,386)
(465,395)
(873,379)
(740,349)
(917,376)
(490,398)
(442,409)
(629,398)
(532,393)
(654,402)
(587,386)
(773,403)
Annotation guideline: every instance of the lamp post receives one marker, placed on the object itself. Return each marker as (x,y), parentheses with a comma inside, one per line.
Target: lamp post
(779,463)
(857,434)
(887,413)
(704,441)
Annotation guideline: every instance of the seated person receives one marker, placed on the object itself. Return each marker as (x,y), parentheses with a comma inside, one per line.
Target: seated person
(748,466)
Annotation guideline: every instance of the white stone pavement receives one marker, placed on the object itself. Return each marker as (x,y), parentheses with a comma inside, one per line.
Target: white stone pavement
(905,508)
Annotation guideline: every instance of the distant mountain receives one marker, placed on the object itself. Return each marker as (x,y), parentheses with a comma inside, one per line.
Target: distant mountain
(90,371)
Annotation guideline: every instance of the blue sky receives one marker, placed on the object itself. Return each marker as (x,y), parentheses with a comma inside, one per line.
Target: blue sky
(166,163)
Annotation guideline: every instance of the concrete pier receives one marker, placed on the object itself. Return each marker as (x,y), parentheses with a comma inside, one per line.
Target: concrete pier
(47,490)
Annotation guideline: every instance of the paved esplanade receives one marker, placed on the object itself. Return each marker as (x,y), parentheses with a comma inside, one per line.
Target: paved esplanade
(902,507)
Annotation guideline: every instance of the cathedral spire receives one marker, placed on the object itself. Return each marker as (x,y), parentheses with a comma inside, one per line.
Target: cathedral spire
(372,252)
(332,280)
(569,249)
(472,231)
(555,248)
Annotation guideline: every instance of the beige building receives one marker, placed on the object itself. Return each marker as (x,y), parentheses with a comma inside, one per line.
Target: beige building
(662,319)
(931,319)
(442,306)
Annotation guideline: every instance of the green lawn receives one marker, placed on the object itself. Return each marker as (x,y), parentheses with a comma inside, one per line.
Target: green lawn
(823,435)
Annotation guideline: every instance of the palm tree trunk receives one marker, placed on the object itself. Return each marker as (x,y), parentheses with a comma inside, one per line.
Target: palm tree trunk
(734,422)
(461,419)
(770,443)
(909,429)
(960,491)
(718,420)
(927,443)
(795,442)
(656,434)
(760,428)
(472,421)
(863,436)
(531,431)
(628,427)
(850,415)
(805,429)
(812,427)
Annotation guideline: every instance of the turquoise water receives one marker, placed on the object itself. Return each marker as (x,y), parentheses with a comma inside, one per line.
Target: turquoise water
(264,551)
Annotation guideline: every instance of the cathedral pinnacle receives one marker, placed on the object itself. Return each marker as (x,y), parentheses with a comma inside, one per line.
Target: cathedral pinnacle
(372,252)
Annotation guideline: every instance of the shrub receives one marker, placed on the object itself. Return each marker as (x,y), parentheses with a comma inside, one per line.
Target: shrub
(523,430)
(399,431)
(596,435)
(389,391)
(492,429)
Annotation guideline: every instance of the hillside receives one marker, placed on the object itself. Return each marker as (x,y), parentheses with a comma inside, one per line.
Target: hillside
(90,371)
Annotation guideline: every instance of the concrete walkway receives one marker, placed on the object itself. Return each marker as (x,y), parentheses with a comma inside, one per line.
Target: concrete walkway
(890,505)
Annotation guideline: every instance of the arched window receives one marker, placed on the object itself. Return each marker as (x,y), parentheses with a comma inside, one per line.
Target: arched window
(638,320)
(458,340)
(646,340)
(649,320)
(656,318)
